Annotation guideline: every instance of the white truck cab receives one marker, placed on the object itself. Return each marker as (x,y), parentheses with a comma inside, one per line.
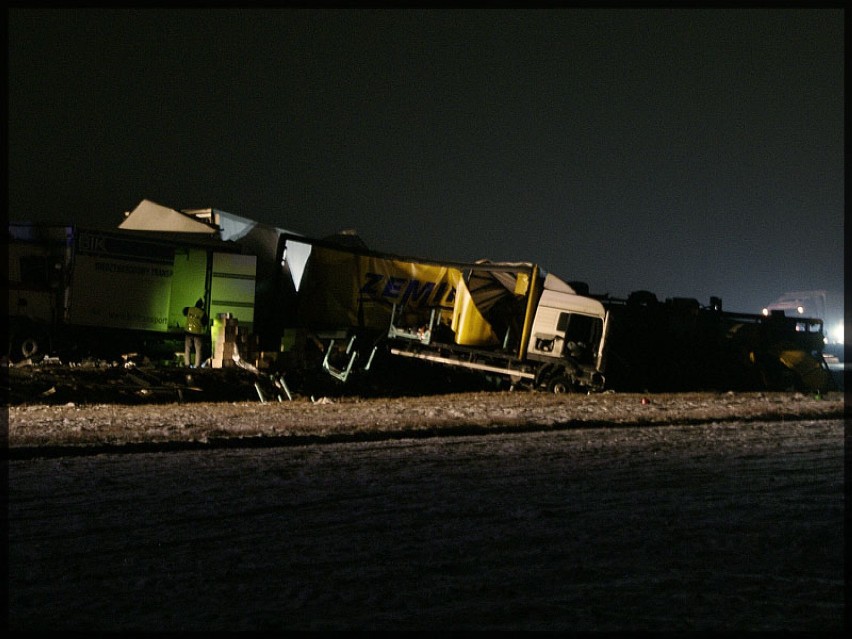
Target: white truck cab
(568,325)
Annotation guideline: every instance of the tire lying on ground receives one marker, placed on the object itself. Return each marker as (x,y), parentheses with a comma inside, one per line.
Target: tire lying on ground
(27,340)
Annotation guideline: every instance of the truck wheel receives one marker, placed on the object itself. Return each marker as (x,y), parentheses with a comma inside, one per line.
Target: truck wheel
(560,385)
(26,341)
(29,347)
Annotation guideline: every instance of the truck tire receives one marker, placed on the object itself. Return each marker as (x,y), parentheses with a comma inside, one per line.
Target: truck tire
(29,347)
(26,340)
(561,384)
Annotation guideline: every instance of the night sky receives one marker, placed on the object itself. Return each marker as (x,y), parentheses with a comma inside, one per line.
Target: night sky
(691,152)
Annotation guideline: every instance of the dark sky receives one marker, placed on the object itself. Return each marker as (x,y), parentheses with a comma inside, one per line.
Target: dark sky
(690,152)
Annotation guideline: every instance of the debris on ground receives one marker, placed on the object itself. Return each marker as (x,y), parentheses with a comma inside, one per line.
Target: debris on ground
(98,381)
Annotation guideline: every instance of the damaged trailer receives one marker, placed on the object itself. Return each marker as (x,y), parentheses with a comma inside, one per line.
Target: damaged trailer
(84,292)
(509,322)
(277,269)
(333,307)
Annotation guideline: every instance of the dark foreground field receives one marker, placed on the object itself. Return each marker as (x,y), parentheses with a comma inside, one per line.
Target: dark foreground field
(503,511)
(717,526)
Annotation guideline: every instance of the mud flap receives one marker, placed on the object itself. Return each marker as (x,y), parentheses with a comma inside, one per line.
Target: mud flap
(812,372)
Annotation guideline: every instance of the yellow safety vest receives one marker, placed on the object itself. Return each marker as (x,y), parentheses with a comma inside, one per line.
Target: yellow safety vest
(193,320)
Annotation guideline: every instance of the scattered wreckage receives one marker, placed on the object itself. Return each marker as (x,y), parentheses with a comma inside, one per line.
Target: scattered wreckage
(284,305)
(50,381)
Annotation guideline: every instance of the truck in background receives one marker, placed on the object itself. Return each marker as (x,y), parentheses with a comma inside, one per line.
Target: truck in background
(102,293)
(824,304)
(677,345)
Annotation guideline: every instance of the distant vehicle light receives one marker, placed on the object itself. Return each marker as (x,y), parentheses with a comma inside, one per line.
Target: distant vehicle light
(765,311)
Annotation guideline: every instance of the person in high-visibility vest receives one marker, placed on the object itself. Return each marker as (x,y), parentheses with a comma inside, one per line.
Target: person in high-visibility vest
(196,321)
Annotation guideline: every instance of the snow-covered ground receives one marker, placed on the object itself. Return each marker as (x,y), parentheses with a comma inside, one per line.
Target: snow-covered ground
(733,524)
(37,429)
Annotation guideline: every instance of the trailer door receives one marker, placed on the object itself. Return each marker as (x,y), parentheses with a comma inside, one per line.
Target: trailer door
(225,281)
(232,287)
(189,283)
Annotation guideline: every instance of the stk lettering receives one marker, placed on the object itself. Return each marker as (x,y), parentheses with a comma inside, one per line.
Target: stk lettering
(92,243)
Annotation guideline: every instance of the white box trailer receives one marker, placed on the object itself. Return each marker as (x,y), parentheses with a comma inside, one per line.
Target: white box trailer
(76,288)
